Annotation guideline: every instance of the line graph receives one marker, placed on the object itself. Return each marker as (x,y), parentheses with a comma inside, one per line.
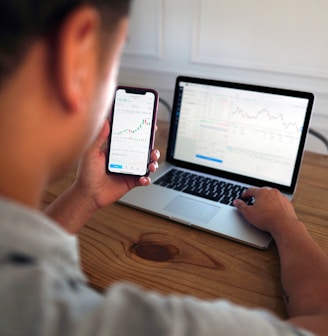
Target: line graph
(264,115)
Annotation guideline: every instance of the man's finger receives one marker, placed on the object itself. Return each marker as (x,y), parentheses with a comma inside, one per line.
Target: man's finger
(240,205)
(250,192)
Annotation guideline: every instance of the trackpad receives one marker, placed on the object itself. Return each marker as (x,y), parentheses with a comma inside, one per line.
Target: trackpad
(195,210)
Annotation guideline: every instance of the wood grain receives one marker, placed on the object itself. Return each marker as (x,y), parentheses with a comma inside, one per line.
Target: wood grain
(123,244)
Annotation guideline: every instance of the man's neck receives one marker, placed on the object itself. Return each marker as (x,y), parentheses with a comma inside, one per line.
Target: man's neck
(22,168)
(21,186)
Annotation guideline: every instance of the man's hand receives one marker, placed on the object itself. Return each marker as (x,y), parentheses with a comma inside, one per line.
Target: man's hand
(102,188)
(270,211)
(93,188)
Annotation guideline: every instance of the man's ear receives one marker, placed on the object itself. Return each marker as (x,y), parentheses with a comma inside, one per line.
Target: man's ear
(76,58)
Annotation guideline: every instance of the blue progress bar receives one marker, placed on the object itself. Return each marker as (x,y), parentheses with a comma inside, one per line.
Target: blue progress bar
(208,158)
(116,166)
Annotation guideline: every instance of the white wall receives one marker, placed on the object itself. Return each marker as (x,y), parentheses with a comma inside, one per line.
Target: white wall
(280,43)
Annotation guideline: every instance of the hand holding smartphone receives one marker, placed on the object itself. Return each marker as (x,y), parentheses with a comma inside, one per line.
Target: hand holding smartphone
(132,131)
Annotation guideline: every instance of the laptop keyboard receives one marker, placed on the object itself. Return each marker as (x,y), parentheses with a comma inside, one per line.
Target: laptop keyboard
(205,187)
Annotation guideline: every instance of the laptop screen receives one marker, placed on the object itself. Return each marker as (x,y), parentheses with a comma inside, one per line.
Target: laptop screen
(249,131)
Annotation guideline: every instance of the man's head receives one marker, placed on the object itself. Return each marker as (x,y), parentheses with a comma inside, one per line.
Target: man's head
(58,67)
(23,21)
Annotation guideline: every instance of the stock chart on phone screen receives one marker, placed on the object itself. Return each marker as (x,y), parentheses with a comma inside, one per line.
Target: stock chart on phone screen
(131,131)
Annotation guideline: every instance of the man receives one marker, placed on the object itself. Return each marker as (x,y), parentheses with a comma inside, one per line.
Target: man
(58,65)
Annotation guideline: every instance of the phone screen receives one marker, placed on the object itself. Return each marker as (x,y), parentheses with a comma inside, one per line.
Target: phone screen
(132,131)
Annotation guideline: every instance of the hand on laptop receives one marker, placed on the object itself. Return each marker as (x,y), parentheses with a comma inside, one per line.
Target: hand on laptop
(93,188)
(270,211)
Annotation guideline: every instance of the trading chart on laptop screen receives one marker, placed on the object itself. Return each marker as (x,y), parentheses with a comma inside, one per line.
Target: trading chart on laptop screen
(244,132)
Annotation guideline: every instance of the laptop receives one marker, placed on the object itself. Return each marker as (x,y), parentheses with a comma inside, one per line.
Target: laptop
(225,137)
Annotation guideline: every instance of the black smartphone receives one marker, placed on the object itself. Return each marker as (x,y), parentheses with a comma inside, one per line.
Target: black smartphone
(132,130)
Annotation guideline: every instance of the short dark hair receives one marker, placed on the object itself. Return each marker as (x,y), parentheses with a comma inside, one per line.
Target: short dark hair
(23,21)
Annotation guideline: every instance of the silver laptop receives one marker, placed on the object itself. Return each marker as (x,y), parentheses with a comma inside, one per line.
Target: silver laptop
(225,137)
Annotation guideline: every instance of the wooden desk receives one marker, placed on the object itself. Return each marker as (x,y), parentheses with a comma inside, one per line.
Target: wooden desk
(123,244)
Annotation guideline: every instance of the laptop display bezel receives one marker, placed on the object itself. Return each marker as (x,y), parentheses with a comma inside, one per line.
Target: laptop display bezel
(228,175)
